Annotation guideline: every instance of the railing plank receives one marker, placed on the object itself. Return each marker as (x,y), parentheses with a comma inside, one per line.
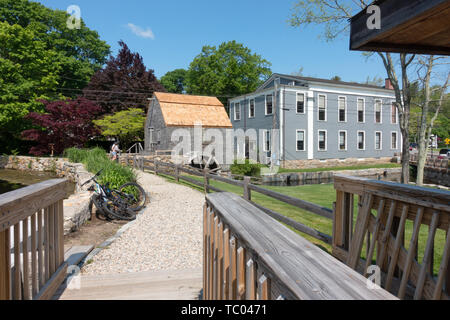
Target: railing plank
(220,262)
(241,268)
(5,265)
(264,288)
(443,269)
(34,275)
(51,233)
(17,264)
(250,280)
(40,252)
(233,269)
(25,266)
(226,264)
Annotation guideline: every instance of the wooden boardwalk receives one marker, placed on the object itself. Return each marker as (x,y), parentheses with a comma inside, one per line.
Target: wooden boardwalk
(157,285)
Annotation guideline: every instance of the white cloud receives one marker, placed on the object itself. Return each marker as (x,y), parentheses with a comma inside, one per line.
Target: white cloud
(141,32)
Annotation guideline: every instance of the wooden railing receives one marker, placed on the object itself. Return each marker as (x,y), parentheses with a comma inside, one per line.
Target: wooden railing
(384,210)
(32,241)
(176,171)
(250,256)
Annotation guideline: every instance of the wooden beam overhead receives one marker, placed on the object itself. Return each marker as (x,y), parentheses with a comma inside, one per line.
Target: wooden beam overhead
(409,26)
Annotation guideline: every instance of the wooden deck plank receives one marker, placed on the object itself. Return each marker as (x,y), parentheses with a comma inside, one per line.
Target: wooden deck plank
(158,285)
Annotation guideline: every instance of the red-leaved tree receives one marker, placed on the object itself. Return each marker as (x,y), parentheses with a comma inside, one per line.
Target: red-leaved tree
(64,124)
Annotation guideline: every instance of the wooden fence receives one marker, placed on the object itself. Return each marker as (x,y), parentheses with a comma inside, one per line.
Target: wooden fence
(366,211)
(249,256)
(176,171)
(383,211)
(32,241)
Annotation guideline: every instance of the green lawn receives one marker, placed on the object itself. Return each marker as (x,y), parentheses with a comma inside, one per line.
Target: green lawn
(362,167)
(323,195)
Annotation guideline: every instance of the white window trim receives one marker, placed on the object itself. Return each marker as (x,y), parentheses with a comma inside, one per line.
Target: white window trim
(339,140)
(396,140)
(326,107)
(265,140)
(235,118)
(364,110)
(357,140)
(375,111)
(381,140)
(304,140)
(265,104)
(304,103)
(318,140)
(345,105)
(254,108)
(396,113)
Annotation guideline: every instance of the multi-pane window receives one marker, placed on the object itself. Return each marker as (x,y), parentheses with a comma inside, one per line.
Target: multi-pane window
(300,140)
(342,105)
(394,145)
(269,104)
(322,108)
(267,140)
(378,140)
(361,140)
(361,115)
(378,105)
(342,140)
(300,103)
(394,114)
(237,111)
(251,108)
(322,140)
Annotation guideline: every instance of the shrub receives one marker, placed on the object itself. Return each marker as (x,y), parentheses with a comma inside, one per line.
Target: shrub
(95,160)
(246,169)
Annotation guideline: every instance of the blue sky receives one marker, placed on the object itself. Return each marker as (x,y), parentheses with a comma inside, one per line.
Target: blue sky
(174,32)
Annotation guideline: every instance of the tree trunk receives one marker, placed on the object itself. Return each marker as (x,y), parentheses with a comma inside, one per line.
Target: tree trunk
(405,157)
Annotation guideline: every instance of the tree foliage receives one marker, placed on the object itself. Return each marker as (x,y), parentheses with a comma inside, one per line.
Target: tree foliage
(226,71)
(65,123)
(127,125)
(124,82)
(175,81)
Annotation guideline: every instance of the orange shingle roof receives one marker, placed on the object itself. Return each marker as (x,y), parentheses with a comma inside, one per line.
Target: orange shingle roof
(186,111)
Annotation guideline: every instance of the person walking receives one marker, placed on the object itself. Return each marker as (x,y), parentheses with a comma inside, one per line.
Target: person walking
(115,150)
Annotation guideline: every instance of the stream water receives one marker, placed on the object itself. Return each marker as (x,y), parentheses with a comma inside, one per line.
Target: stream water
(14,179)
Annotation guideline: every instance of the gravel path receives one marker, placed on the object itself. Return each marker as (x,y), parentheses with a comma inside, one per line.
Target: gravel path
(167,236)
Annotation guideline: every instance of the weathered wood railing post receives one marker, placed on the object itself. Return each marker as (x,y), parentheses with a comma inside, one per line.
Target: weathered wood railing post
(247,191)
(343,220)
(5,276)
(206,180)
(177,173)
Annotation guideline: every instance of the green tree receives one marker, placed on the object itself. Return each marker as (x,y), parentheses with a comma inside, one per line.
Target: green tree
(175,81)
(28,72)
(226,71)
(40,58)
(127,125)
(336,78)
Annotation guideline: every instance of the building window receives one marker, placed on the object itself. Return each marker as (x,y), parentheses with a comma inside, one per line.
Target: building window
(394,144)
(300,103)
(378,141)
(342,106)
(394,114)
(322,140)
(150,134)
(343,140)
(251,108)
(361,140)
(300,140)
(267,140)
(237,111)
(158,136)
(378,105)
(269,104)
(361,107)
(322,108)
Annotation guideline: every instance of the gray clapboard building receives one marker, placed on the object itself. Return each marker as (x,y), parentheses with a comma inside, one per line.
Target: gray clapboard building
(318,119)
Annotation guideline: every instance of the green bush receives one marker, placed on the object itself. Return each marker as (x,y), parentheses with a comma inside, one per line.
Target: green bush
(246,169)
(95,160)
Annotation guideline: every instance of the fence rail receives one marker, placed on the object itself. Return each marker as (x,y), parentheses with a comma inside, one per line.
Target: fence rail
(248,256)
(175,171)
(32,241)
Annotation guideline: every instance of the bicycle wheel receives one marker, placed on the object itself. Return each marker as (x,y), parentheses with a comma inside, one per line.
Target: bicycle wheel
(119,211)
(134,196)
(100,211)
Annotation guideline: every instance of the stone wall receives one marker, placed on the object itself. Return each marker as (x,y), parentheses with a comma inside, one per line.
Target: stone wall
(437,176)
(76,208)
(311,164)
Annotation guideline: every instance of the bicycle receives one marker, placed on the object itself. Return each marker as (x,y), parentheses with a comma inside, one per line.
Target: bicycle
(122,203)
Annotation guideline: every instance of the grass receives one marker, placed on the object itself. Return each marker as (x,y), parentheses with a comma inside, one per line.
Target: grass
(324,195)
(362,167)
(95,160)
